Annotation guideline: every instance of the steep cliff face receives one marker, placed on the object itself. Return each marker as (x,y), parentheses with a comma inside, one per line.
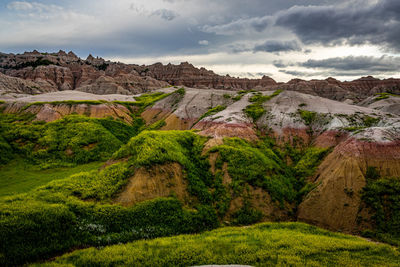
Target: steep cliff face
(13,86)
(336,203)
(62,71)
(186,74)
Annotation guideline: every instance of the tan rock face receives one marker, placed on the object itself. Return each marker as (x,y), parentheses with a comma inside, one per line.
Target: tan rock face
(159,181)
(336,202)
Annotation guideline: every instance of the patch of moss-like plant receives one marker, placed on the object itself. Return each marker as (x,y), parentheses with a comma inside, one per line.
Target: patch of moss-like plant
(66,102)
(211,112)
(256,110)
(267,244)
(34,64)
(385,95)
(157,125)
(359,122)
(382,196)
(257,166)
(5,151)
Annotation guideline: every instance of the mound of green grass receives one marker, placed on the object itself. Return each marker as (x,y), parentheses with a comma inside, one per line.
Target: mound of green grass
(78,210)
(159,147)
(270,244)
(71,140)
(262,165)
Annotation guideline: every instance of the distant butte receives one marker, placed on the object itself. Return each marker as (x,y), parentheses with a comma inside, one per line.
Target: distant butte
(51,72)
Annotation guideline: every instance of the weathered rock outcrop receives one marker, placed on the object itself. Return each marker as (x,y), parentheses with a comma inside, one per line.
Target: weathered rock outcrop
(51,112)
(336,203)
(62,71)
(12,85)
(159,181)
(388,103)
(186,74)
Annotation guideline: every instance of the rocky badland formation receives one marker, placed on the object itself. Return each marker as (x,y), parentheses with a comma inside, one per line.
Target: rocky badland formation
(316,113)
(50,72)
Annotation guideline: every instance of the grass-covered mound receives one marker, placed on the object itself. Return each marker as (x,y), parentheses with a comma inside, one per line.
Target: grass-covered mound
(184,147)
(78,211)
(264,165)
(71,140)
(270,244)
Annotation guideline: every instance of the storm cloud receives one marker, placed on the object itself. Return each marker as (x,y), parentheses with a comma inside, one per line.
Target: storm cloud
(285,38)
(357,22)
(372,64)
(278,46)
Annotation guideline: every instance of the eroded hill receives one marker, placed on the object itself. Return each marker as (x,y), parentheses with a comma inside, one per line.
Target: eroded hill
(183,160)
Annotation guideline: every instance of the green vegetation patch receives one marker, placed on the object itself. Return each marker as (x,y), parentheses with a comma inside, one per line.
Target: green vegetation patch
(386,95)
(264,165)
(34,64)
(256,110)
(382,196)
(78,211)
(270,244)
(19,176)
(159,147)
(358,121)
(66,102)
(143,101)
(212,111)
(71,140)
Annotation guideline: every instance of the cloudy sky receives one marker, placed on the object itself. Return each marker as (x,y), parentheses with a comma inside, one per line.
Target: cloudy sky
(284,39)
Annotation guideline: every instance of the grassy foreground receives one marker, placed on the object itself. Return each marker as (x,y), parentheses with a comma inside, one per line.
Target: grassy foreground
(294,244)
(20,177)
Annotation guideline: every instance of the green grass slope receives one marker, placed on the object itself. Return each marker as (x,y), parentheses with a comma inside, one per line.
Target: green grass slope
(269,244)
(18,176)
(78,211)
(65,142)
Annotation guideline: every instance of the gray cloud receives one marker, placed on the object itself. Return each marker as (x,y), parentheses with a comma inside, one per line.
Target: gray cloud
(367,63)
(165,14)
(299,73)
(358,22)
(203,42)
(278,46)
(257,24)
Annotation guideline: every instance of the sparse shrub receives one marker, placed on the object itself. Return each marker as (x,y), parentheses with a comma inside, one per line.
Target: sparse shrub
(370,121)
(246,215)
(382,195)
(256,110)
